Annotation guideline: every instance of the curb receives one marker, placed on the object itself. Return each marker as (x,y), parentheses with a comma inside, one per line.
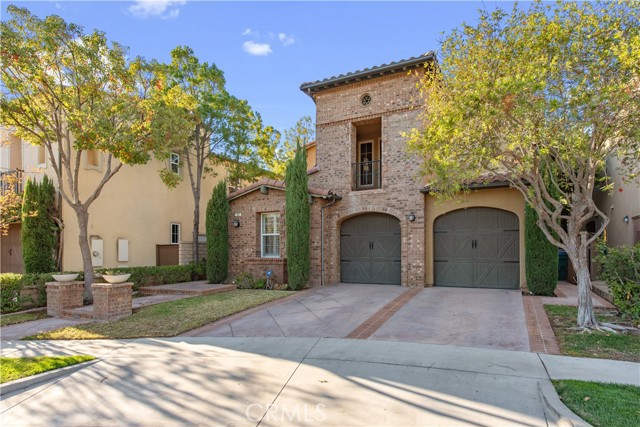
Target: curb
(28,382)
(557,414)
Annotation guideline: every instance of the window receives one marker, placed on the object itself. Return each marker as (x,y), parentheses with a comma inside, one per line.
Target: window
(175,163)
(92,159)
(175,234)
(270,235)
(42,157)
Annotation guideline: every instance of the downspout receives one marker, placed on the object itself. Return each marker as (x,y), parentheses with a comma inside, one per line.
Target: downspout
(333,198)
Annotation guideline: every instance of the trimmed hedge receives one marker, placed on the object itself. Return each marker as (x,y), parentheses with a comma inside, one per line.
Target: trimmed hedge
(12,284)
(541,257)
(621,272)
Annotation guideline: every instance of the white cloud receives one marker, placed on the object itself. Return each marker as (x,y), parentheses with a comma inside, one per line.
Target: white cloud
(250,32)
(165,9)
(258,49)
(285,39)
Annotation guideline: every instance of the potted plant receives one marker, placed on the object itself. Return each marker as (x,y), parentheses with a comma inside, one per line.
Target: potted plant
(115,276)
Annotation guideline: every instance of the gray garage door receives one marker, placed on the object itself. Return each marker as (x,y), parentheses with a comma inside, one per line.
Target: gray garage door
(477,247)
(370,249)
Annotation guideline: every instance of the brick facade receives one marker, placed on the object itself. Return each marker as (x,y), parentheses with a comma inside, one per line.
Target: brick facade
(63,296)
(111,301)
(244,241)
(338,111)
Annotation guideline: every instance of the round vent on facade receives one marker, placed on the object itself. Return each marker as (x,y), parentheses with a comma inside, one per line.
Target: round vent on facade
(365,99)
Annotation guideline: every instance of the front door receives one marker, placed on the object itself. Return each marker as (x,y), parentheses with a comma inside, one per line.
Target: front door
(477,247)
(370,249)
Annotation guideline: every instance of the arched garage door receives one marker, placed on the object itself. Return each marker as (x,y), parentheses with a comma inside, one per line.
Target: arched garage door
(370,249)
(477,247)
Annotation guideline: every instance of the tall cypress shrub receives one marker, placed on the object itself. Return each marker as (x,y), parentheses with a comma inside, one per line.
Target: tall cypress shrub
(297,219)
(541,257)
(39,229)
(217,226)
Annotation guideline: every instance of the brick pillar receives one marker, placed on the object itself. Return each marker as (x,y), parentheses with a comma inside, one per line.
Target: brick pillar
(111,301)
(63,296)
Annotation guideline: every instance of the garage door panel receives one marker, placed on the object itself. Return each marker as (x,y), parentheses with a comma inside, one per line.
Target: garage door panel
(477,247)
(370,249)
(454,274)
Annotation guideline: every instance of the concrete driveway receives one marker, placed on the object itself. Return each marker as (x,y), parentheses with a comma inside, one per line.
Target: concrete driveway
(486,318)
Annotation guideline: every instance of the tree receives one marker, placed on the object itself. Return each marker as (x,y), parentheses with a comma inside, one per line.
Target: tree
(541,257)
(10,199)
(217,226)
(249,145)
(301,134)
(72,92)
(550,91)
(215,127)
(39,227)
(297,219)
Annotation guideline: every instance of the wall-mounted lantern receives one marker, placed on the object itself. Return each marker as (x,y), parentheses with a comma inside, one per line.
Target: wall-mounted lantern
(236,223)
(626,219)
(411,217)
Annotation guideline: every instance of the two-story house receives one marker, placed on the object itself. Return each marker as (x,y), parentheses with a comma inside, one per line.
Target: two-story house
(372,217)
(136,221)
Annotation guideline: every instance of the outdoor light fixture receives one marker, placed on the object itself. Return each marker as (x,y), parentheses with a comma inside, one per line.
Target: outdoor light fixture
(626,219)
(236,223)
(411,217)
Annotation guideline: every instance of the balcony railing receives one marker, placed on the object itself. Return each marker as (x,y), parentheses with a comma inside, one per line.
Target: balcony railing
(366,175)
(11,181)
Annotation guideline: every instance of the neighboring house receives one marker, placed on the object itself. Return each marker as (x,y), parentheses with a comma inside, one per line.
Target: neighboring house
(136,221)
(623,205)
(372,218)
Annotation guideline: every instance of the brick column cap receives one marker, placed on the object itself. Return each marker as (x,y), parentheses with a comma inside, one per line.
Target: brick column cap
(111,285)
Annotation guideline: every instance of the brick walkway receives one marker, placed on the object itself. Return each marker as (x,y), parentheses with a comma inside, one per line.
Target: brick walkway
(373,323)
(541,336)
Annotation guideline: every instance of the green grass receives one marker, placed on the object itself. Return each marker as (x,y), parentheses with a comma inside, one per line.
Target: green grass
(602,345)
(602,405)
(12,319)
(168,319)
(13,368)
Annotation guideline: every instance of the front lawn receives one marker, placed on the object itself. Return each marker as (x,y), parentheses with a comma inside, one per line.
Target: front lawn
(168,319)
(12,319)
(14,368)
(602,345)
(601,405)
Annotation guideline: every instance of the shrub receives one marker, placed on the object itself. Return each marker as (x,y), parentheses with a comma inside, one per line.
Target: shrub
(297,219)
(541,257)
(217,234)
(11,285)
(621,272)
(159,275)
(39,239)
(247,281)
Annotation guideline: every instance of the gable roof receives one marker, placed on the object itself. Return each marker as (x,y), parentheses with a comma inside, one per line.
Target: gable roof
(368,73)
(277,185)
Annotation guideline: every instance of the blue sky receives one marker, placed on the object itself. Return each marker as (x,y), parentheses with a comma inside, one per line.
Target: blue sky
(267,49)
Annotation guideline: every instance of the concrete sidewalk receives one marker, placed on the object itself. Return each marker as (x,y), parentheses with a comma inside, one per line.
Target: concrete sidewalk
(294,381)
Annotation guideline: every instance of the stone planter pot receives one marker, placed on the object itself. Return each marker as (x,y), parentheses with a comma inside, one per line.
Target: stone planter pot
(116,278)
(65,277)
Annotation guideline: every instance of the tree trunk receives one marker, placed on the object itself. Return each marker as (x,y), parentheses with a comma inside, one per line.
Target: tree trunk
(196,228)
(85,250)
(580,262)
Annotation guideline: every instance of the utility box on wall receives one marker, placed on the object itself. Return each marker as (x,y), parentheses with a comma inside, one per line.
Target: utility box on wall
(123,250)
(97,252)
